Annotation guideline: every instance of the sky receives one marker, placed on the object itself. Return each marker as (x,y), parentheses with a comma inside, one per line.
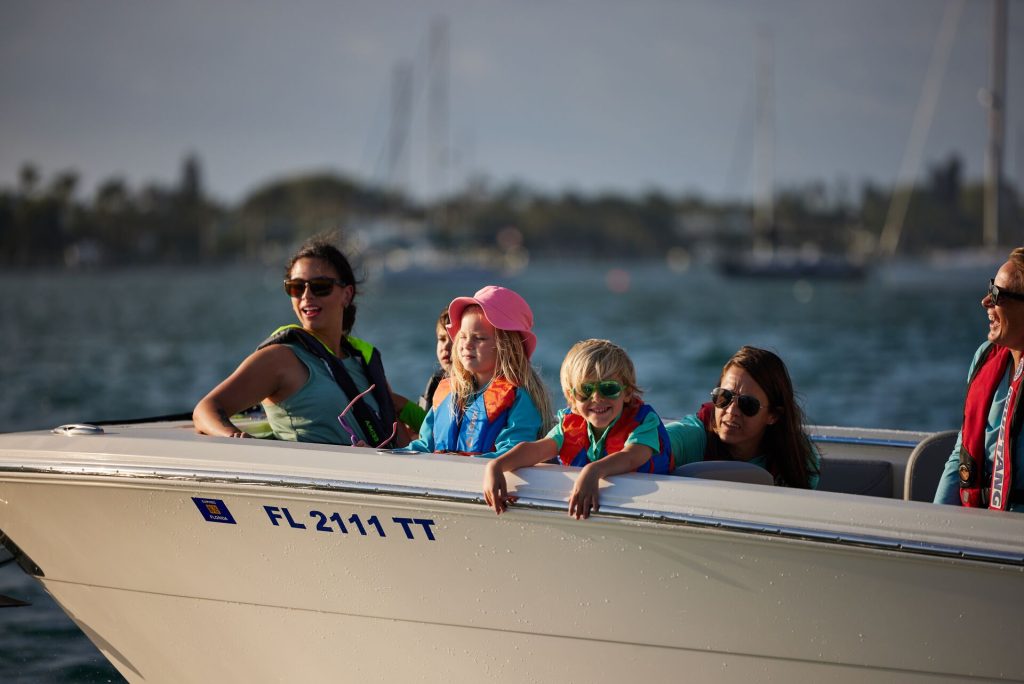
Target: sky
(583,95)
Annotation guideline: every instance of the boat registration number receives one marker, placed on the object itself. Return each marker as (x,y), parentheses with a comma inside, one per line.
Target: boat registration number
(332,522)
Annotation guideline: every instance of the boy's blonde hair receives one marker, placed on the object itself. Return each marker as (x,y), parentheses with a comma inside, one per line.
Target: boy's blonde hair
(512,364)
(597,360)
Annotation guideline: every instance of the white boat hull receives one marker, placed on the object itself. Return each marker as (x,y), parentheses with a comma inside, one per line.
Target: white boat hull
(674,579)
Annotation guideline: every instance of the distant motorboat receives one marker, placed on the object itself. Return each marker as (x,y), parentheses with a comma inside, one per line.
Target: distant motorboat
(187,558)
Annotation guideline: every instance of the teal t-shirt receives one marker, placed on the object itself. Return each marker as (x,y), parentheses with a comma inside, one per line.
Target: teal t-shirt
(311,414)
(689,439)
(646,434)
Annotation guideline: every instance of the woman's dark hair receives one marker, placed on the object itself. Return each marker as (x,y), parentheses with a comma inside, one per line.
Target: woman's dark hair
(321,247)
(785,444)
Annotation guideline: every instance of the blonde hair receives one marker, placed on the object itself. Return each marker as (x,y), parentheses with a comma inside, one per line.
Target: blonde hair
(597,360)
(512,364)
(1017,259)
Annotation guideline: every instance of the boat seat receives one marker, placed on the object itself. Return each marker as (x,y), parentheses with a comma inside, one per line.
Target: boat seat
(730,471)
(856,476)
(924,467)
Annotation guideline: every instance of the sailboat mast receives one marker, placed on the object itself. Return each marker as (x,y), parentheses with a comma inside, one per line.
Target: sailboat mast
(996,125)
(764,192)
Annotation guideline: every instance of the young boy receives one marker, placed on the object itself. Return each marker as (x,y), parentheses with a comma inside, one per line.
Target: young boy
(606,430)
(444,360)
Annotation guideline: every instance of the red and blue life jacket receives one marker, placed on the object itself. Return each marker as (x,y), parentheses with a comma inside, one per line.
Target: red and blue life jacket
(475,430)
(576,440)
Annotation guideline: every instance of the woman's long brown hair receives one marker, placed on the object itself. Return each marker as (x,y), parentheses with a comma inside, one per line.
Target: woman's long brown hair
(785,444)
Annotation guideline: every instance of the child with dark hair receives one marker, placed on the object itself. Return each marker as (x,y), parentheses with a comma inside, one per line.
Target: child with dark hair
(444,360)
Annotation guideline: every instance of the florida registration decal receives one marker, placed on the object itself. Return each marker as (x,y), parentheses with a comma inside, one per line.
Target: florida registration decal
(405,528)
(214,510)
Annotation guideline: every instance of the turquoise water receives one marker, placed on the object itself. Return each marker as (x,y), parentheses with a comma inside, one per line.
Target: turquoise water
(891,352)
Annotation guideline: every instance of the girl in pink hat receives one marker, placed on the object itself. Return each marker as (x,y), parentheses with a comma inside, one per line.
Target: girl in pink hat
(493,398)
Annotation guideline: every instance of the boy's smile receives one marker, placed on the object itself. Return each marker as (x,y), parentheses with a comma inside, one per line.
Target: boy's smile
(599,410)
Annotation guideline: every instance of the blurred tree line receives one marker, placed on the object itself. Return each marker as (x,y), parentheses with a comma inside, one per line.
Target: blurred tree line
(44,222)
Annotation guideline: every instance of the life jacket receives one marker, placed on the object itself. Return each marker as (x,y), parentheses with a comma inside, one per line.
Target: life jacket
(442,390)
(375,427)
(576,440)
(981,389)
(427,400)
(475,430)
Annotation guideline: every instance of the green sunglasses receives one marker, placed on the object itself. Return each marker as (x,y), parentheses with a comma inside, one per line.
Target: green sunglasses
(609,389)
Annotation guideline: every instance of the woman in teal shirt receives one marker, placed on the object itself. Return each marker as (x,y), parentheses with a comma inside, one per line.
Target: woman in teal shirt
(306,375)
(753,416)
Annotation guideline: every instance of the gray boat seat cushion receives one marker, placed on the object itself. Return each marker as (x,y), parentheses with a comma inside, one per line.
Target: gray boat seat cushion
(731,471)
(856,476)
(924,467)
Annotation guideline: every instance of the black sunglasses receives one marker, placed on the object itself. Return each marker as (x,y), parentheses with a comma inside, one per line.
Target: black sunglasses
(722,397)
(321,287)
(995,292)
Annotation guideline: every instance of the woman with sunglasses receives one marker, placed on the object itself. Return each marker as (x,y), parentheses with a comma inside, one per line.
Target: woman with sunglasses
(606,430)
(753,416)
(985,468)
(305,374)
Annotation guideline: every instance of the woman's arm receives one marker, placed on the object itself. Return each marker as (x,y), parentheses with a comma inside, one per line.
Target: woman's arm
(948,489)
(688,438)
(410,418)
(273,373)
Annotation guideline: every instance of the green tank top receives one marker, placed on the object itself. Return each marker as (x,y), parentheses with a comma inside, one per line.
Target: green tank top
(311,414)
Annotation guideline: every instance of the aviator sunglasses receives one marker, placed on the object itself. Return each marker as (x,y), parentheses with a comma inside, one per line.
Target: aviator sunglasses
(722,397)
(321,287)
(609,389)
(995,293)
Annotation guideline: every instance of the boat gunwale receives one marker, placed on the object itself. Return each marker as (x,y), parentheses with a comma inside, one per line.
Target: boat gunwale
(739,526)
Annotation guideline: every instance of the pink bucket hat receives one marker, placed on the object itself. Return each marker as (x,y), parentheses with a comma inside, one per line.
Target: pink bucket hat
(503,308)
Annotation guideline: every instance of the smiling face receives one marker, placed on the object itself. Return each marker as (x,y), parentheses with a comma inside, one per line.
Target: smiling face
(444,349)
(1006,321)
(476,345)
(320,315)
(740,432)
(599,410)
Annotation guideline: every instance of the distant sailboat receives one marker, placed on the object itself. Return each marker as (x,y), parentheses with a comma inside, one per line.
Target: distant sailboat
(768,258)
(988,254)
